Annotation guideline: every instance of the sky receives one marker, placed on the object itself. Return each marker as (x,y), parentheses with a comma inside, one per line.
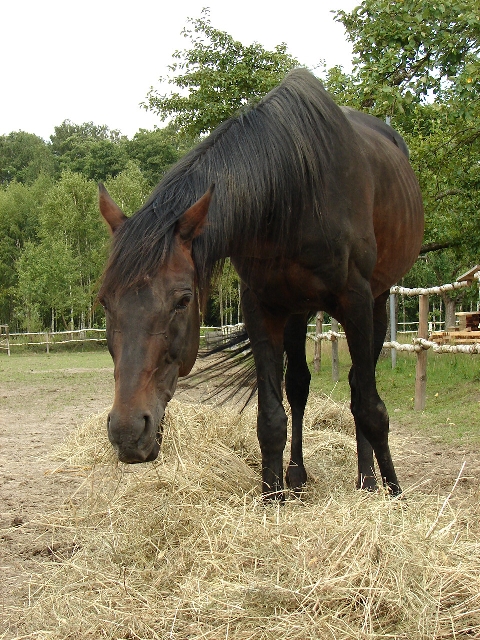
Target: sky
(95,60)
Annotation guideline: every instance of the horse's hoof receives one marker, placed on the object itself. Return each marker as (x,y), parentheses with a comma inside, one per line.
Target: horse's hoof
(394,490)
(296,478)
(367,483)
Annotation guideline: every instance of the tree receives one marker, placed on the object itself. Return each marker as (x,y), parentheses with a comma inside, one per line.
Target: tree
(216,77)
(48,286)
(23,157)
(156,151)
(93,150)
(129,189)
(418,64)
(19,212)
(63,134)
(407,50)
(70,236)
(225,297)
(55,276)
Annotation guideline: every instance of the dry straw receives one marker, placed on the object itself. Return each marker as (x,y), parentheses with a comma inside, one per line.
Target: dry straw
(183,548)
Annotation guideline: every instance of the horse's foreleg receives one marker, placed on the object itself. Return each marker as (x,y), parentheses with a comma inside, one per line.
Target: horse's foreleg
(363,328)
(265,331)
(297,385)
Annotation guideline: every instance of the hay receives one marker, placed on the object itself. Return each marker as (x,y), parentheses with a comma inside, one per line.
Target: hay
(183,548)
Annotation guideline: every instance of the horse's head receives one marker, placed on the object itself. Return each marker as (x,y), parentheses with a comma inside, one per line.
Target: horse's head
(153,335)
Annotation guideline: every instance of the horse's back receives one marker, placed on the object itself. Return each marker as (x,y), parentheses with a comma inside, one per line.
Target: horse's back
(358,118)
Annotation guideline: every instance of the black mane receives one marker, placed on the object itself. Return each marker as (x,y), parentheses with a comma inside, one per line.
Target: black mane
(267,165)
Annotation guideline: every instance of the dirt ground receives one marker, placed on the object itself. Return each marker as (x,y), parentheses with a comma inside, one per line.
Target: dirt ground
(35,418)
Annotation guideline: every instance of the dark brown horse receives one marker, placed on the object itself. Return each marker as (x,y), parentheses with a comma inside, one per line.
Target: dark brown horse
(318,208)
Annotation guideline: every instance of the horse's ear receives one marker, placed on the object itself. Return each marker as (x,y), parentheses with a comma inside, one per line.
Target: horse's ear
(191,224)
(109,209)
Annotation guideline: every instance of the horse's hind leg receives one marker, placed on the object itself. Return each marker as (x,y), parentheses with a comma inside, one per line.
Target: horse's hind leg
(265,332)
(297,384)
(366,467)
(366,470)
(371,418)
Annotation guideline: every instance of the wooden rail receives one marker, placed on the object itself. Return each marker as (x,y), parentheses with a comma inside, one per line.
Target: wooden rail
(420,344)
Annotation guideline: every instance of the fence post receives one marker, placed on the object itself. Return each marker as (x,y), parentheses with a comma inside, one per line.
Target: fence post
(7,334)
(317,358)
(335,374)
(421,370)
(47,341)
(393,327)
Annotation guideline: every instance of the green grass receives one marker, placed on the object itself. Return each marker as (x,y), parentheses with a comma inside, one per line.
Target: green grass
(453,386)
(48,383)
(25,367)
(452,411)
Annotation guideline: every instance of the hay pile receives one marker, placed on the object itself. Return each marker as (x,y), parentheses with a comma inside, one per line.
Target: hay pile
(184,548)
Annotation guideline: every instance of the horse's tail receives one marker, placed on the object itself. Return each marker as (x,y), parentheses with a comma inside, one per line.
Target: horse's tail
(229,373)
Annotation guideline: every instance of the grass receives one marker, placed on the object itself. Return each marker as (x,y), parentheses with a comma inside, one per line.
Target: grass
(452,410)
(453,392)
(48,383)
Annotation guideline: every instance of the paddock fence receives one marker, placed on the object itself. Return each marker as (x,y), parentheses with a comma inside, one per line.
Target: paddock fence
(48,339)
(420,343)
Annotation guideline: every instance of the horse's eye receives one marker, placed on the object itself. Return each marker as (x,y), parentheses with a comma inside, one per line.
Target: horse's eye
(183,303)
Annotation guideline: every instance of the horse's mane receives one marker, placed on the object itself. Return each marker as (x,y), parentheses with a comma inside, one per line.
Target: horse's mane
(268,165)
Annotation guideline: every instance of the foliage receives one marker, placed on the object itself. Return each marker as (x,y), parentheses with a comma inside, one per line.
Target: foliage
(419,65)
(58,274)
(19,210)
(47,280)
(24,157)
(156,151)
(129,189)
(216,77)
(92,150)
(404,51)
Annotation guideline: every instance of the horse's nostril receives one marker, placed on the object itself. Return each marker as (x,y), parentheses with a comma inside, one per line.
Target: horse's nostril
(146,435)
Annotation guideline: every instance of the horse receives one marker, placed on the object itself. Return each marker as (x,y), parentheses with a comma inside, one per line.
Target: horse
(317,208)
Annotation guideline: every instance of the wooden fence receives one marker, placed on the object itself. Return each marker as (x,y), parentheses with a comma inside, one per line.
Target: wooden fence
(48,339)
(420,344)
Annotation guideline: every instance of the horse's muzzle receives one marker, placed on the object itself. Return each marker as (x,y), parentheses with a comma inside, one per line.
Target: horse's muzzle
(135,438)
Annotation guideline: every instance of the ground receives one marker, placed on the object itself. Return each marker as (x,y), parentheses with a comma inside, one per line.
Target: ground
(49,400)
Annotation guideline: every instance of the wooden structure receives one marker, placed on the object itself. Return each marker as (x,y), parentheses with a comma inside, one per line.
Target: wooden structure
(467,332)
(469,276)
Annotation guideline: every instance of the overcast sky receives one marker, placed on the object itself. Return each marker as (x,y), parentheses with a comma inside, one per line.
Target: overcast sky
(95,60)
